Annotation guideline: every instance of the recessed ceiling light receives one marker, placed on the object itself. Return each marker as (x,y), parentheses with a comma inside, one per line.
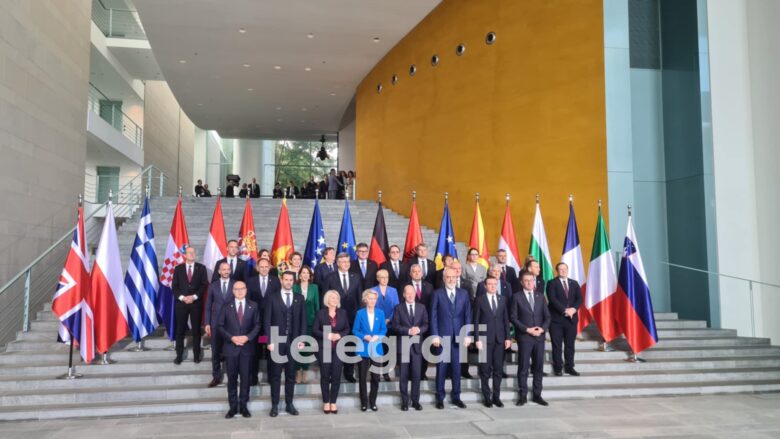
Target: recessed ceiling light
(241,30)
(278,108)
(333,93)
(308,69)
(304,109)
(250,89)
(278,67)
(278,120)
(376,39)
(247,65)
(200,105)
(310,35)
(303,121)
(182,61)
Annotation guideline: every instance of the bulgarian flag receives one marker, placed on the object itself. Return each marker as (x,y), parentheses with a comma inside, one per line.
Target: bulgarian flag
(602,283)
(507,240)
(538,247)
(283,245)
(477,239)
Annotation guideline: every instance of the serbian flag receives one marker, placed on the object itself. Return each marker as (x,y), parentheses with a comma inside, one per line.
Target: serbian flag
(216,242)
(602,283)
(379,248)
(178,240)
(283,240)
(632,304)
(413,234)
(70,300)
(107,294)
(507,240)
(247,240)
(477,239)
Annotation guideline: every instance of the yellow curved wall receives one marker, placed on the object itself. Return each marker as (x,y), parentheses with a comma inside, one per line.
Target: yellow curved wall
(525,115)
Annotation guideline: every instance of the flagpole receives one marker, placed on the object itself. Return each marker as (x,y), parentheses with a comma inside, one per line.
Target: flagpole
(414,195)
(379,195)
(71,375)
(139,346)
(603,346)
(632,356)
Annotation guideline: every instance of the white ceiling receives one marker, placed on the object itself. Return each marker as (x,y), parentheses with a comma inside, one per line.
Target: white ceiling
(212,85)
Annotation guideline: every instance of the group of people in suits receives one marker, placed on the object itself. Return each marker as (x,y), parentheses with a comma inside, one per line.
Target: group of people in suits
(259,313)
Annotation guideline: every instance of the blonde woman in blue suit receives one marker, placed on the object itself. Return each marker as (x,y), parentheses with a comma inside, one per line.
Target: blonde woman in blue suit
(370,327)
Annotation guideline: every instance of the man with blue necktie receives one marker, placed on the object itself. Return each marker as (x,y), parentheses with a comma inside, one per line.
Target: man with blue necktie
(450,312)
(220,293)
(364,267)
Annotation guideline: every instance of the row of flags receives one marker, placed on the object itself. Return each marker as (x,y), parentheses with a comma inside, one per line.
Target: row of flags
(97,308)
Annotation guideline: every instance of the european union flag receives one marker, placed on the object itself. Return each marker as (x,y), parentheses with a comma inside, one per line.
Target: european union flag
(315,245)
(446,243)
(347,234)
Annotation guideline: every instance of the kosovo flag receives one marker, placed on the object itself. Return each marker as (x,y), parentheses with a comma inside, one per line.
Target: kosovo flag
(446,243)
(347,234)
(315,245)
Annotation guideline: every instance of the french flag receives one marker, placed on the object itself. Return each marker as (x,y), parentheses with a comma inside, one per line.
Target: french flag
(633,307)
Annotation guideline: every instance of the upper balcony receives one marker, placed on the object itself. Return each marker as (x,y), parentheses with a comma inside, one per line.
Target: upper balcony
(117,22)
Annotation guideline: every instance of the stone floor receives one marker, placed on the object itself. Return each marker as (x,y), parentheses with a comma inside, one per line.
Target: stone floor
(716,416)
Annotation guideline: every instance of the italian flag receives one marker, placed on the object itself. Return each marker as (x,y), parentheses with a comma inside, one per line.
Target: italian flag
(538,248)
(602,283)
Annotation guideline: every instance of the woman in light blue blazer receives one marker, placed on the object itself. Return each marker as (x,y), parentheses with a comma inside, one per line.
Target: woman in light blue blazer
(370,327)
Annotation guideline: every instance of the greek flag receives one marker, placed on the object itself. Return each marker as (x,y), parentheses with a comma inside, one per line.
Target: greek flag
(142,279)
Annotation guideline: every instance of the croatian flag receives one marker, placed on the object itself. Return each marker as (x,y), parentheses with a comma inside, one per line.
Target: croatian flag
(174,255)
(142,279)
(633,307)
(70,300)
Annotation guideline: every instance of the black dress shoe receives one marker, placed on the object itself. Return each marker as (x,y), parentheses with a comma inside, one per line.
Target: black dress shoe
(540,401)
(522,401)
(416,406)
(498,403)
(198,358)
(404,407)
(274,411)
(504,375)
(487,403)
(465,374)
(572,372)
(230,414)
(424,377)
(439,405)
(558,373)
(245,413)
(350,379)
(374,407)
(177,361)
(254,381)
(291,409)
(459,404)
(387,377)
(544,374)
(363,408)
(215,382)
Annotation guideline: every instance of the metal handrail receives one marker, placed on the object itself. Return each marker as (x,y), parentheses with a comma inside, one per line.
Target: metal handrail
(130,129)
(117,23)
(69,233)
(720,274)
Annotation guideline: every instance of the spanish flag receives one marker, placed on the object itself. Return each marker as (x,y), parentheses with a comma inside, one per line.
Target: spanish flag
(283,240)
(477,239)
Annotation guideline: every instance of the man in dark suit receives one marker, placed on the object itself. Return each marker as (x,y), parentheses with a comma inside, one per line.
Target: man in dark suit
(502,287)
(423,292)
(395,269)
(324,269)
(220,293)
(237,265)
(285,312)
(229,190)
(347,284)
(364,267)
(262,284)
(427,265)
(532,266)
(238,325)
(254,189)
(446,261)
(492,310)
(531,319)
(190,282)
(450,312)
(508,272)
(410,321)
(564,297)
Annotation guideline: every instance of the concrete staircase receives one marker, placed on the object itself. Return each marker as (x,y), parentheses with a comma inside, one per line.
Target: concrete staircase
(689,359)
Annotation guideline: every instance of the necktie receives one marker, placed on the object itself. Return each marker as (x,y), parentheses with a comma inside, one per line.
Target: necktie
(493,303)
(566,288)
(530,296)
(224,288)
(287,299)
(363,267)
(452,296)
(344,284)
(419,293)
(411,311)
(424,266)
(189,273)
(330,268)
(503,272)
(240,313)
(232,266)
(395,268)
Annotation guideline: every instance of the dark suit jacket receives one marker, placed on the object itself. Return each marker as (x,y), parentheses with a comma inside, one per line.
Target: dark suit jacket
(215,301)
(275,314)
(521,315)
(539,285)
(350,299)
(229,191)
(321,273)
(395,281)
(369,280)
(430,277)
(239,272)
(228,327)
(558,302)
(253,287)
(254,190)
(426,293)
(402,322)
(506,289)
(497,323)
(446,319)
(510,276)
(322,319)
(198,285)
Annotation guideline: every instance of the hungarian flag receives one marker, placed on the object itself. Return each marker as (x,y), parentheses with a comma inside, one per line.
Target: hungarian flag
(247,240)
(283,240)
(216,243)
(446,242)
(178,240)
(602,283)
(107,292)
(507,240)
(70,300)
(477,239)
(632,304)
(572,257)
(413,234)
(378,250)
(538,247)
